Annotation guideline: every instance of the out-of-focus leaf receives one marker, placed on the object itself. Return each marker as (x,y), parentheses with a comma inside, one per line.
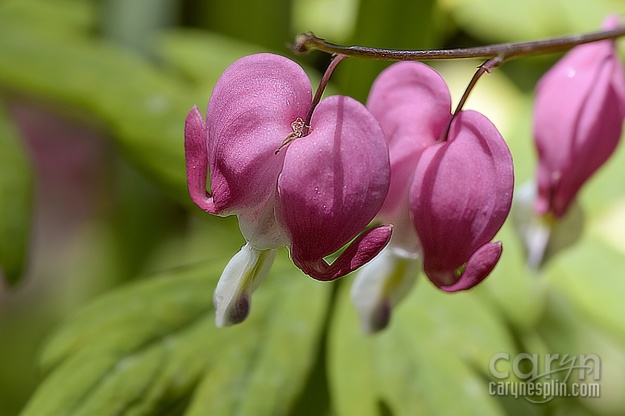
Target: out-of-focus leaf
(202,56)
(261,368)
(609,226)
(134,23)
(330,19)
(590,275)
(397,24)
(141,350)
(58,16)
(565,331)
(260,22)
(604,192)
(142,106)
(512,287)
(16,186)
(437,346)
(501,21)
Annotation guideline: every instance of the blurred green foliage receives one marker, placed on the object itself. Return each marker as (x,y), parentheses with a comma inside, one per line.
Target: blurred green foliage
(117,219)
(16,178)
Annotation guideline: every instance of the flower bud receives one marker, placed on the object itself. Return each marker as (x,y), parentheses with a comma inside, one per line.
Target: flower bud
(578,118)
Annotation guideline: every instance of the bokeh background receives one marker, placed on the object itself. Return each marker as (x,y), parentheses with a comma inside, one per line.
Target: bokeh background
(105,306)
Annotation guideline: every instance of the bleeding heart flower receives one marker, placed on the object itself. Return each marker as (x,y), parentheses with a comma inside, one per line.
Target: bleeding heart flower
(447,199)
(578,118)
(460,198)
(315,195)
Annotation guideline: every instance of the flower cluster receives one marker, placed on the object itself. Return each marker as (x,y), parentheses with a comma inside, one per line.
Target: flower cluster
(314,176)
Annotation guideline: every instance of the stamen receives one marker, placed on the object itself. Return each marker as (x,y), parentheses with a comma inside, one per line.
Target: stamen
(298,131)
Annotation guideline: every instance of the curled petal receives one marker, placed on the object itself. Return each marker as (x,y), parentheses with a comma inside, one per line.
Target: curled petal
(480,264)
(196,157)
(578,117)
(461,195)
(242,275)
(412,103)
(249,115)
(333,181)
(359,252)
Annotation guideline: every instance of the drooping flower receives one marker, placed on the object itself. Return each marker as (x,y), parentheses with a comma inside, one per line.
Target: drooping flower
(450,192)
(578,119)
(459,199)
(405,99)
(314,195)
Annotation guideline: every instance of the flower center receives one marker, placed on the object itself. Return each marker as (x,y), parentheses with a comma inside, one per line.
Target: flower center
(297,126)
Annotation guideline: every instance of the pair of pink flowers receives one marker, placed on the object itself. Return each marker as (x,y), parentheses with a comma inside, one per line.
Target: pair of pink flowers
(441,184)
(446,188)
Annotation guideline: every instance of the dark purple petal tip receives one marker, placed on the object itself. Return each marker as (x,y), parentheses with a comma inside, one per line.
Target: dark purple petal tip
(479,266)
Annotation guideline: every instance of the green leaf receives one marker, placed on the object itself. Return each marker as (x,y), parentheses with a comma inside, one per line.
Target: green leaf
(16,188)
(438,346)
(331,19)
(513,287)
(154,346)
(531,19)
(260,22)
(566,329)
(261,368)
(590,276)
(399,24)
(59,16)
(201,56)
(143,106)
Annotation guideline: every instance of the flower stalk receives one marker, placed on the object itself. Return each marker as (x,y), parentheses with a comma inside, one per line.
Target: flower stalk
(305,42)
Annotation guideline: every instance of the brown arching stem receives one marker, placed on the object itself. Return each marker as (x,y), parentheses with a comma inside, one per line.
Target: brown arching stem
(305,42)
(495,55)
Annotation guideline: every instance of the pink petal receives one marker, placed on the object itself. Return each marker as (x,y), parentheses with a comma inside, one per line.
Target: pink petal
(196,156)
(412,103)
(249,115)
(578,116)
(461,194)
(479,266)
(333,182)
(359,252)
